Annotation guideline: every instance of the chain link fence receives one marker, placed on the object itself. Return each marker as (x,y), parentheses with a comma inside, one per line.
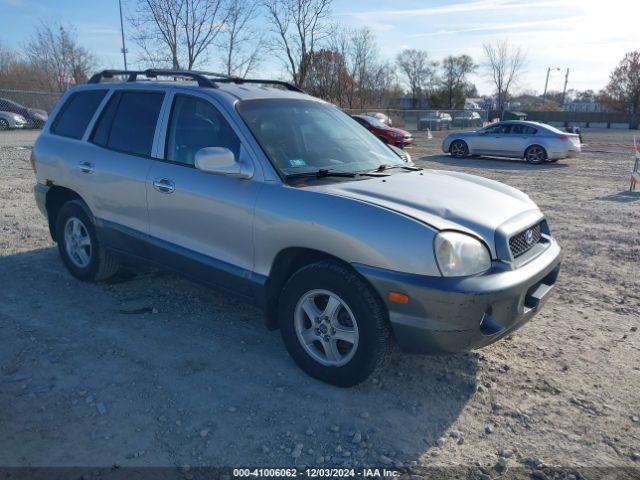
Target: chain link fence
(31,98)
(434,120)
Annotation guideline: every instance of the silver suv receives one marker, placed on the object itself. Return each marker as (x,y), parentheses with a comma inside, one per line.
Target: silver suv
(253,187)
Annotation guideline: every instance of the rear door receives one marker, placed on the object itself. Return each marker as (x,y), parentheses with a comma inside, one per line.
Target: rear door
(519,138)
(201,223)
(116,165)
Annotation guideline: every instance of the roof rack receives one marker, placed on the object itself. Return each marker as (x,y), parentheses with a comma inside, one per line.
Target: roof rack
(154,73)
(201,77)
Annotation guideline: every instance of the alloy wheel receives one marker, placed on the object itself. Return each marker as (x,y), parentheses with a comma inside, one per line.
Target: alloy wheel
(77,242)
(326,328)
(458,149)
(536,154)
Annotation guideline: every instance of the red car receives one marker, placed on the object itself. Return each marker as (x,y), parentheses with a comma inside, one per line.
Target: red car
(390,135)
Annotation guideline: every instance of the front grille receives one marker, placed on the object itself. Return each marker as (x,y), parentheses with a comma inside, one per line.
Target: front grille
(522,242)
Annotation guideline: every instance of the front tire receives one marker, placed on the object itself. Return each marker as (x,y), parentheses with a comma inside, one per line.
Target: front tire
(535,154)
(459,149)
(334,325)
(4,125)
(78,245)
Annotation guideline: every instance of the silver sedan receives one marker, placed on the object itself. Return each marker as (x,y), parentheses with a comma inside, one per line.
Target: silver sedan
(535,142)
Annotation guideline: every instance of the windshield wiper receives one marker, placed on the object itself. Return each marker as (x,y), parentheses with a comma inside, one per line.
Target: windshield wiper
(386,166)
(323,172)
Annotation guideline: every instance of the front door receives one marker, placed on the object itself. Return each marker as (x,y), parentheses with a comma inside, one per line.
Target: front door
(201,223)
(492,140)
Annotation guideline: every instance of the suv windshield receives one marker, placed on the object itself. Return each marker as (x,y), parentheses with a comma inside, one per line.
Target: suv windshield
(302,136)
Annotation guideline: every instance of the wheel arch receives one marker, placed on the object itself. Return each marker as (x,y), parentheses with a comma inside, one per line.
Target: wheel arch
(285,264)
(56,197)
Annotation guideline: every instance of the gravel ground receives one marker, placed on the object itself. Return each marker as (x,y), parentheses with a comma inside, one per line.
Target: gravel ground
(157,371)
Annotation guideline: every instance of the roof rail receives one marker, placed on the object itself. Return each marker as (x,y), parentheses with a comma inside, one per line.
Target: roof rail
(132,74)
(198,76)
(282,83)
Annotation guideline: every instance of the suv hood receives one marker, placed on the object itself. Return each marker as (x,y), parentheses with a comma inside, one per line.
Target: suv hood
(442,199)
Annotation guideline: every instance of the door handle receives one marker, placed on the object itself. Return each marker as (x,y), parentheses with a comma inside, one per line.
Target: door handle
(164,185)
(86,167)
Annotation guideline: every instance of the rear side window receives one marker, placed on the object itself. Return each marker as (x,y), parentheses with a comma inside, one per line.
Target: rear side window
(76,113)
(128,123)
(518,129)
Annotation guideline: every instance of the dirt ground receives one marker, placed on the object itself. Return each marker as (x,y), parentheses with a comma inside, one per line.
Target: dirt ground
(158,371)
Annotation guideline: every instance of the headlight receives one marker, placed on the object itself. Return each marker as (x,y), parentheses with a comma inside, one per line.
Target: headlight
(459,255)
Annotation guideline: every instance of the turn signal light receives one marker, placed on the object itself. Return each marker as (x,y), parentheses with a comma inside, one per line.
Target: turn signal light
(396,297)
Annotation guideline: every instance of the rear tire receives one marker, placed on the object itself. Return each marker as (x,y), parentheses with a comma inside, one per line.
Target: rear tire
(535,154)
(79,247)
(333,324)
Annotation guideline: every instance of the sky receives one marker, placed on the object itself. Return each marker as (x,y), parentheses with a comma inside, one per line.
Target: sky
(589,37)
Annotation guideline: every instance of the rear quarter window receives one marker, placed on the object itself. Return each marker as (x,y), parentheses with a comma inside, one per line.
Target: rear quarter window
(76,113)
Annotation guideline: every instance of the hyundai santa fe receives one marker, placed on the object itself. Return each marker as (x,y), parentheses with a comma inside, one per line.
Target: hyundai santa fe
(260,190)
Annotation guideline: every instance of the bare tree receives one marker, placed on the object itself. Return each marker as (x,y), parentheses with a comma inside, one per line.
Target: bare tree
(240,40)
(363,65)
(623,91)
(454,76)
(348,71)
(177,32)
(503,65)
(297,26)
(418,70)
(54,51)
(327,76)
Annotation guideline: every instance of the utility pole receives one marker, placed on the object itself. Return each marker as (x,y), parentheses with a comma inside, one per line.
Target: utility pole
(124,48)
(564,90)
(546,84)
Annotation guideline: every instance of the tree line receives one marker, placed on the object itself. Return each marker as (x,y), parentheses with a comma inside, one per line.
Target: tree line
(339,64)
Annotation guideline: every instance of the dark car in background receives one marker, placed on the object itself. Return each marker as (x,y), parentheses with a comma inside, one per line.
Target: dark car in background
(467,118)
(36,118)
(435,121)
(389,135)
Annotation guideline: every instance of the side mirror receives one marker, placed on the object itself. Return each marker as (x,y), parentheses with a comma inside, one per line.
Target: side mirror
(222,161)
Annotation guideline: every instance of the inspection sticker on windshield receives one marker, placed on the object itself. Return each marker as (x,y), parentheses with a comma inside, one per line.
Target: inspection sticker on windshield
(297,162)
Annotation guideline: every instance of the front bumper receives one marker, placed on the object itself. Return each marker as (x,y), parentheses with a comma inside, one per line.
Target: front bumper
(404,142)
(460,314)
